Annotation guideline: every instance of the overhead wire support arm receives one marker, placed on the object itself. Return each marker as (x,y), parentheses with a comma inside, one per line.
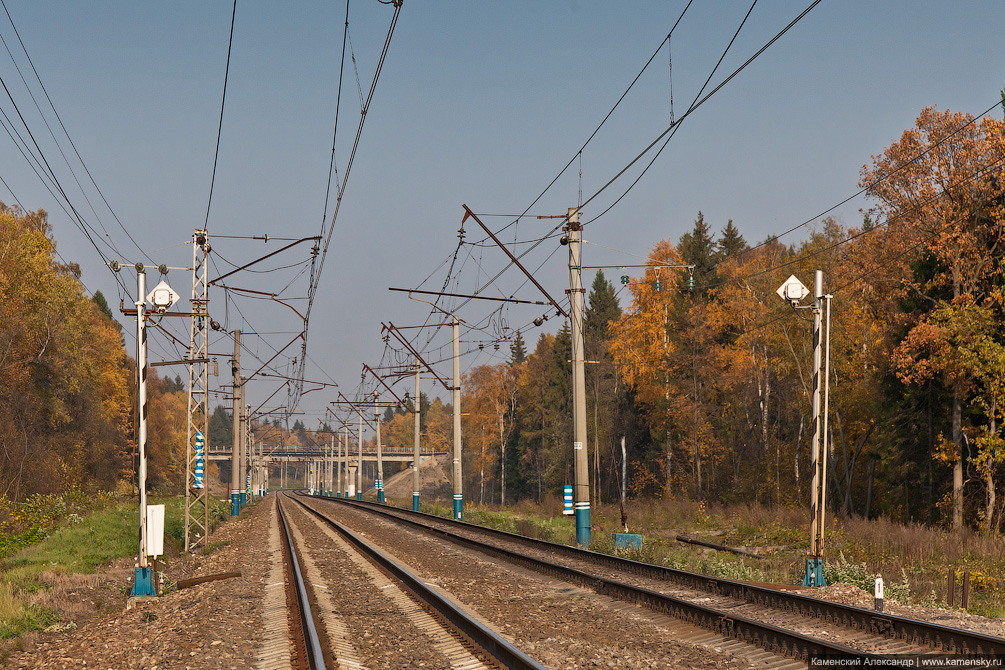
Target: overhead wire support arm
(513,259)
(356,406)
(384,384)
(267,294)
(266,363)
(391,328)
(316,238)
(280,388)
(410,291)
(687,266)
(349,430)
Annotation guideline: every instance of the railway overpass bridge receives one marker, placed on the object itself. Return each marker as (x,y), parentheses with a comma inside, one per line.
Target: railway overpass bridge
(296,453)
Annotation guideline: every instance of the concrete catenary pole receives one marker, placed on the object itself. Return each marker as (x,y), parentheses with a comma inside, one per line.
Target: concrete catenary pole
(581,482)
(245,451)
(344,463)
(359,463)
(379,484)
(415,441)
(456,393)
(143,584)
(235,467)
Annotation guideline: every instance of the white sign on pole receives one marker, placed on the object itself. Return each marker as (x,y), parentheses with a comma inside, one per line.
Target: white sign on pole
(155,530)
(792,290)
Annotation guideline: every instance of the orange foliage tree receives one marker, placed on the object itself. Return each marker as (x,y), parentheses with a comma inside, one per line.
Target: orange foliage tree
(940,189)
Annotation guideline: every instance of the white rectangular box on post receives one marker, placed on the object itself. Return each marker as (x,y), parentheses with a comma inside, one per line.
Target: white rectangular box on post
(155,530)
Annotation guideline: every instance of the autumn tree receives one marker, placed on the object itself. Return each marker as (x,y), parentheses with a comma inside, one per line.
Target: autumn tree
(603,389)
(645,351)
(64,377)
(940,192)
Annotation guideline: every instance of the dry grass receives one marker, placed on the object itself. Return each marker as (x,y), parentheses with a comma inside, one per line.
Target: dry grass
(925,556)
(75,597)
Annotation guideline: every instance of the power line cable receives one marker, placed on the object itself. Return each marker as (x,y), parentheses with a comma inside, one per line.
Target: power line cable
(890,219)
(694,106)
(338,104)
(873,183)
(219,128)
(38,108)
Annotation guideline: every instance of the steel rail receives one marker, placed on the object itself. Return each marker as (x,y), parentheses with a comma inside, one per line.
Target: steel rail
(486,639)
(315,655)
(935,636)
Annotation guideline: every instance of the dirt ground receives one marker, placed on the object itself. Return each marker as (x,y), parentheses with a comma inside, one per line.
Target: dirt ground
(433,481)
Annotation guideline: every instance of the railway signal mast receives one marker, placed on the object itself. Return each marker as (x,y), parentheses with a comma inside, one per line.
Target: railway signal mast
(161,297)
(793,291)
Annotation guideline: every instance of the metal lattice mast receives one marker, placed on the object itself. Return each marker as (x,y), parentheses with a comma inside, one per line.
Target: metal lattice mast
(197,448)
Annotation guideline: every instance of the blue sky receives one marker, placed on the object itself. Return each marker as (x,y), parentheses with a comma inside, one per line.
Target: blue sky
(478,103)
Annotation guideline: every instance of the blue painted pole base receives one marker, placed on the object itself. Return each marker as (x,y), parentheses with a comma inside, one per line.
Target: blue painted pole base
(380,495)
(415,501)
(814,572)
(458,507)
(583,523)
(359,495)
(144,584)
(244,500)
(235,504)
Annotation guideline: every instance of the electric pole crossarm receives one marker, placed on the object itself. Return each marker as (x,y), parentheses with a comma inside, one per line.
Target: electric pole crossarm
(469,213)
(272,296)
(344,424)
(281,387)
(670,266)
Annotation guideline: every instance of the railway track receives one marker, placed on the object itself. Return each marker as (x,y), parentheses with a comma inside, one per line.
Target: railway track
(319,632)
(791,624)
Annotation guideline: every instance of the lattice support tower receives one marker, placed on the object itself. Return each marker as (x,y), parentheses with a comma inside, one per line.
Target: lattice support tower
(197,449)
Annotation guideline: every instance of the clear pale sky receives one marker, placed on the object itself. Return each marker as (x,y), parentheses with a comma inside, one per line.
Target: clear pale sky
(478,103)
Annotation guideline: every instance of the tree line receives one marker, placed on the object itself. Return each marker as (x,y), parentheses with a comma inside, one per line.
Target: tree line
(703,374)
(709,381)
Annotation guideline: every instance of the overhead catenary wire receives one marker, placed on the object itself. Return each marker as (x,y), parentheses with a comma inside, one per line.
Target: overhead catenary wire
(578,154)
(677,122)
(223,103)
(318,266)
(877,226)
(63,199)
(671,129)
(338,104)
(66,133)
(878,180)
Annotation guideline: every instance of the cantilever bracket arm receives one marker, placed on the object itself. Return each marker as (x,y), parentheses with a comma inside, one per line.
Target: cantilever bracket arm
(469,213)
(384,384)
(259,260)
(390,327)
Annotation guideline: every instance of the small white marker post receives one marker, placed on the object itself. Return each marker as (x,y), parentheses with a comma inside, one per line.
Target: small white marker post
(878,593)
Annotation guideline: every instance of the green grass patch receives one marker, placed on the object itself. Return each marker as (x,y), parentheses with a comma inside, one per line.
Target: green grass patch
(17,617)
(99,538)
(82,544)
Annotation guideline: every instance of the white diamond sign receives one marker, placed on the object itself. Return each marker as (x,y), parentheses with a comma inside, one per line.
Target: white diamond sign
(162,297)
(792,290)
